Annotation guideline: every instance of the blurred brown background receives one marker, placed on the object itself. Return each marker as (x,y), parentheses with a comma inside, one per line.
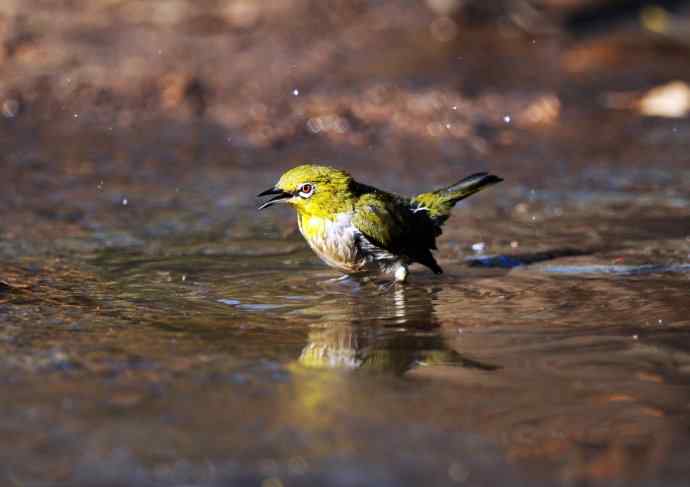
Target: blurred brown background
(201,104)
(198,105)
(404,83)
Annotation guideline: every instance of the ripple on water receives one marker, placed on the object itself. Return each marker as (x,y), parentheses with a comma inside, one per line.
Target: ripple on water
(525,358)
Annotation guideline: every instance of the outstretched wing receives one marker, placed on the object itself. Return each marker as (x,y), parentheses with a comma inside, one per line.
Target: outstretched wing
(389,224)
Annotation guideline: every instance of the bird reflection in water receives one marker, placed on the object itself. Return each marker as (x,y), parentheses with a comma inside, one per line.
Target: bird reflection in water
(393,331)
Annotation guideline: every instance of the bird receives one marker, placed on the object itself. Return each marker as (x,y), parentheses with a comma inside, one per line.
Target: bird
(362,230)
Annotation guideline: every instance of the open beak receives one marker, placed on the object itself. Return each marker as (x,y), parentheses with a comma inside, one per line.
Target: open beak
(280,196)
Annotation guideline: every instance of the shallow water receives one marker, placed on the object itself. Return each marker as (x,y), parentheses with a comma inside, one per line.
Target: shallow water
(215,359)
(155,330)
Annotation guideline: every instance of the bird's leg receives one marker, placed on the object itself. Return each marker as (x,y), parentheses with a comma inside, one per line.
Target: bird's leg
(400,273)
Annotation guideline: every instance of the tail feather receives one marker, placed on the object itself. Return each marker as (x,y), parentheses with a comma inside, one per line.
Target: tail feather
(468,186)
(439,203)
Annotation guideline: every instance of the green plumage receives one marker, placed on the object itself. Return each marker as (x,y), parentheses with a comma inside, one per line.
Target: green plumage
(442,201)
(409,226)
(391,223)
(353,226)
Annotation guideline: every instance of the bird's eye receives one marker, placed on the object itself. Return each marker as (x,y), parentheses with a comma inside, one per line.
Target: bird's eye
(306,189)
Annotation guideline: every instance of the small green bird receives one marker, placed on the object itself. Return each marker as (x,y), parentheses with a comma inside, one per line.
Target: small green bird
(359,229)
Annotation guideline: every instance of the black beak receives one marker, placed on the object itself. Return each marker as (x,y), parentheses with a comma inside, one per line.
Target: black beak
(279,195)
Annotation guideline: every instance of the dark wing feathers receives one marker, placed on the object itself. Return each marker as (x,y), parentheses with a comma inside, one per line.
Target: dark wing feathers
(389,222)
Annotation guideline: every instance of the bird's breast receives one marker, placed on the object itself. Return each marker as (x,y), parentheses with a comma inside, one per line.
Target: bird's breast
(333,240)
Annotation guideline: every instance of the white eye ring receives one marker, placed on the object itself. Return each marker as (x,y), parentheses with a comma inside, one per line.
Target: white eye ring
(306,190)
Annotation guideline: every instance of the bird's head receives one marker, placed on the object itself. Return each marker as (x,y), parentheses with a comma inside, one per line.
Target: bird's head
(312,190)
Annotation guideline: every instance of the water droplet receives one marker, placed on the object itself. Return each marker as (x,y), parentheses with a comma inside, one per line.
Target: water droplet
(479,247)
(76,115)
(295,92)
(125,201)
(454,107)
(507,119)
(635,337)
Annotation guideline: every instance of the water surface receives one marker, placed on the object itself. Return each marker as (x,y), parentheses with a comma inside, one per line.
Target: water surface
(215,359)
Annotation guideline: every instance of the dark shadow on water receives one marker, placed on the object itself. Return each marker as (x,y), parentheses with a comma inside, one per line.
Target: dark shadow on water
(517,260)
(508,262)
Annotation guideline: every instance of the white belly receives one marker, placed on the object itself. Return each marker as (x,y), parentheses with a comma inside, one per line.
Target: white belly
(341,245)
(334,241)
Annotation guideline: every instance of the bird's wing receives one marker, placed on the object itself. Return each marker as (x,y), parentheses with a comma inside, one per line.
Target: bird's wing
(392,226)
